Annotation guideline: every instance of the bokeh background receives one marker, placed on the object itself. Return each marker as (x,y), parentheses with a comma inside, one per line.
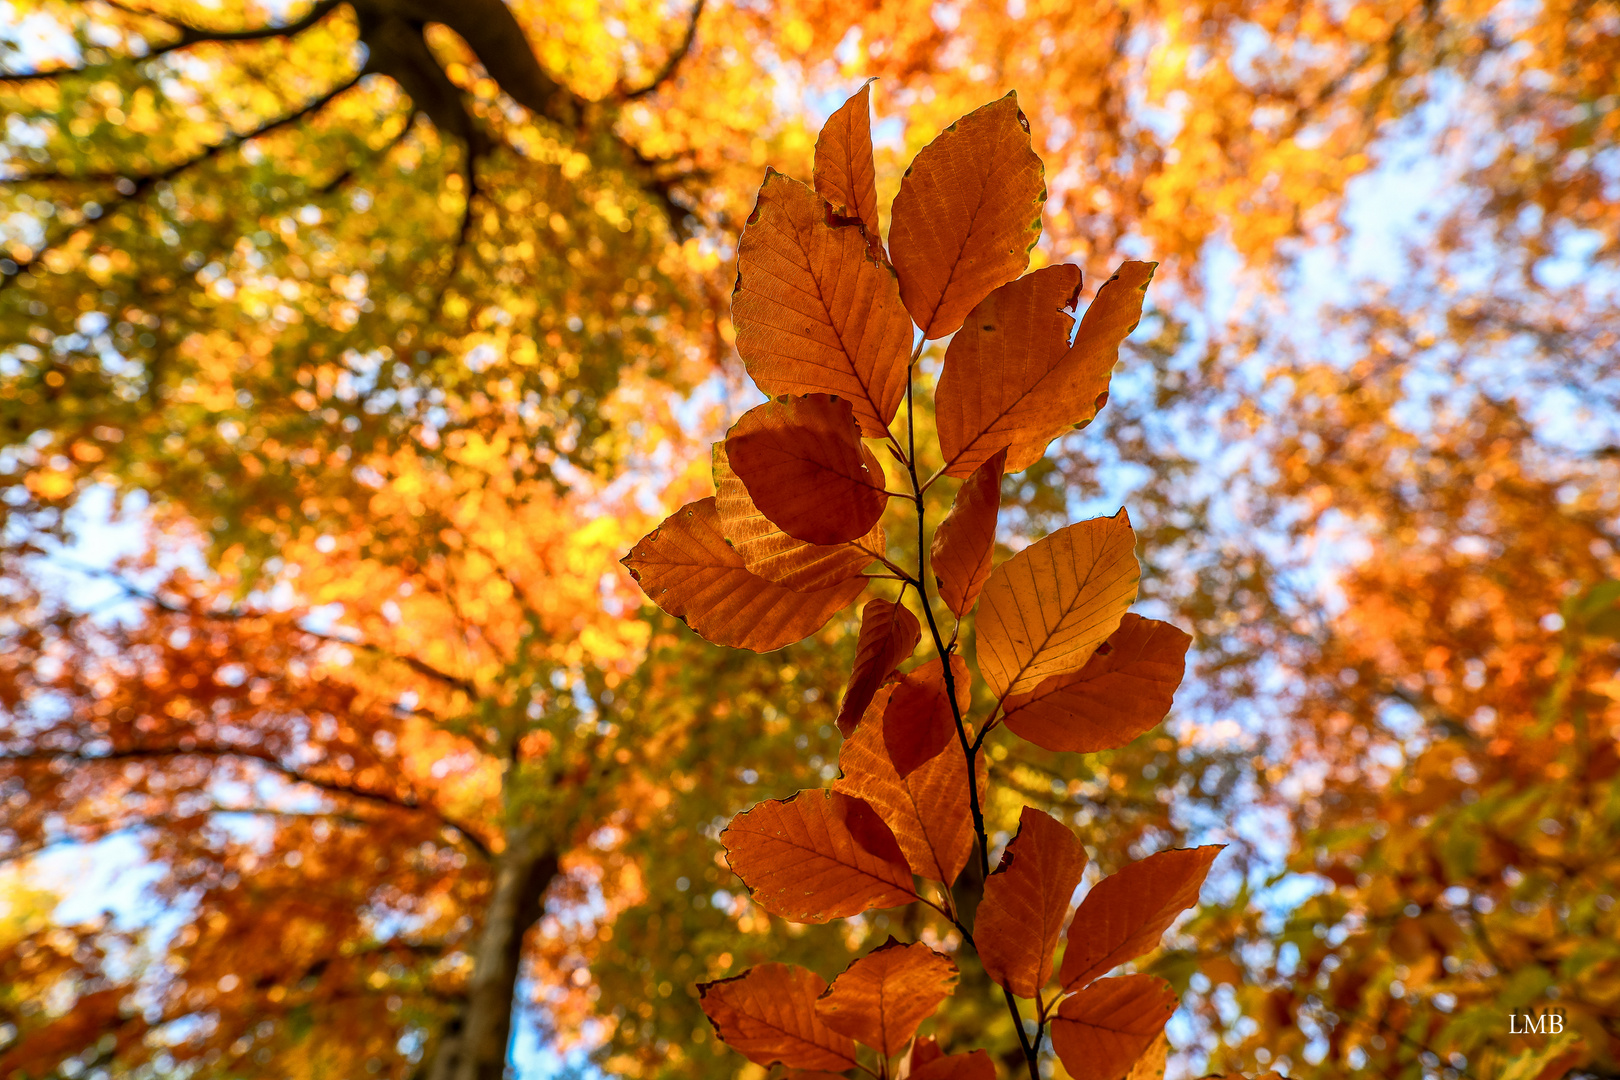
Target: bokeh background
(345,348)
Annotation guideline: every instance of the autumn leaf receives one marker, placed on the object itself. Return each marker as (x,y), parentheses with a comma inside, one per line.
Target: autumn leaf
(966,539)
(1124,689)
(1151,1065)
(918,722)
(1104,1029)
(968,212)
(1045,610)
(805,468)
(768,1013)
(1026,901)
(800,861)
(881,998)
(1125,914)
(889,634)
(1011,379)
(686,567)
(928,810)
(774,555)
(814,312)
(936,1065)
(845,175)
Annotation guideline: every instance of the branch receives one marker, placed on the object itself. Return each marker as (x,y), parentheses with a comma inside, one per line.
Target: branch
(138,186)
(671,65)
(135,592)
(270,761)
(189,36)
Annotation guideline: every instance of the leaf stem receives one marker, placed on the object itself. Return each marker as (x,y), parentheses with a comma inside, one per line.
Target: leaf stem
(969,751)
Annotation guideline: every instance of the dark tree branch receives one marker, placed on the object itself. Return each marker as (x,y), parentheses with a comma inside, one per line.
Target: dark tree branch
(132,189)
(672,64)
(190,36)
(336,787)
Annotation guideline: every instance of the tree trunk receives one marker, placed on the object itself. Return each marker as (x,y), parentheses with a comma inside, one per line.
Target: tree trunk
(475,1048)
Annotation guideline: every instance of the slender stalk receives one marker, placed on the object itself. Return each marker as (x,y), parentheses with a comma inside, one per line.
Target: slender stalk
(969,751)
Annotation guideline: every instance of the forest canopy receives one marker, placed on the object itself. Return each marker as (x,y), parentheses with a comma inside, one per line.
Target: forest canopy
(346,348)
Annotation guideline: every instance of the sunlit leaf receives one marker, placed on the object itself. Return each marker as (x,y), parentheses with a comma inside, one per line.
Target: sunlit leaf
(845,175)
(1104,1029)
(889,635)
(1125,914)
(918,722)
(768,1013)
(881,998)
(1026,901)
(966,539)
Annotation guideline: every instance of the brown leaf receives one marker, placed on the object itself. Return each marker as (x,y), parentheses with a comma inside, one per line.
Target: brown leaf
(1045,610)
(772,553)
(1124,689)
(870,831)
(806,469)
(968,212)
(965,540)
(1151,1065)
(845,175)
(889,635)
(975,1065)
(1025,902)
(800,861)
(686,567)
(1104,1029)
(1003,384)
(928,810)
(768,1014)
(881,998)
(1125,914)
(918,722)
(1012,381)
(814,311)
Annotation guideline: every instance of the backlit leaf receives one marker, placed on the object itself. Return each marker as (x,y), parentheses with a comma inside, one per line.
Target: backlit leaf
(773,554)
(881,998)
(1025,902)
(814,311)
(1126,913)
(1124,689)
(918,722)
(845,175)
(927,810)
(805,468)
(889,635)
(686,567)
(1011,380)
(800,861)
(768,1013)
(1105,1029)
(970,1066)
(968,212)
(965,540)
(1045,610)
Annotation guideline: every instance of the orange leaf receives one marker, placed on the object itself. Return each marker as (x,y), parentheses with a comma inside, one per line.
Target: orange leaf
(870,830)
(686,567)
(1151,1065)
(800,861)
(968,212)
(1045,610)
(768,1014)
(1025,902)
(889,635)
(928,810)
(772,553)
(814,311)
(881,998)
(803,463)
(1124,689)
(1125,914)
(928,1062)
(1102,1031)
(845,175)
(918,722)
(1011,379)
(1003,383)
(966,539)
